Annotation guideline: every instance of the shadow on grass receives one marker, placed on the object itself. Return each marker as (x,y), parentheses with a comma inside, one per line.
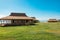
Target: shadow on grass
(18,25)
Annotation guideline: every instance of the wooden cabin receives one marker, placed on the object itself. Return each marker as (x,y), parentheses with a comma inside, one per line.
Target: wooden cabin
(35,20)
(52,20)
(59,20)
(16,19)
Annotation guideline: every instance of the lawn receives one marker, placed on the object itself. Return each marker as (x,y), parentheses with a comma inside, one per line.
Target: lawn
(40,31)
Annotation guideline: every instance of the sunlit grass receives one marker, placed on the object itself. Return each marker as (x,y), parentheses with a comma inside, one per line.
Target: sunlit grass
(40,31)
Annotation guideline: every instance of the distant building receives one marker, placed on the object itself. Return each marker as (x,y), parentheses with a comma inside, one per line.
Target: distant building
(35,20)
(59,20)
(52,20)
(16,19)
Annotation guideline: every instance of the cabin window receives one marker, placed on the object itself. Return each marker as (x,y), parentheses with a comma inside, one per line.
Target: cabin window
(5,21)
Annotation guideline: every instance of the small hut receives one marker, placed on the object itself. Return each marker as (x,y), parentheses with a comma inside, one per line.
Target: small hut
(35,20)
(52,20)
(59,20)
(16,19)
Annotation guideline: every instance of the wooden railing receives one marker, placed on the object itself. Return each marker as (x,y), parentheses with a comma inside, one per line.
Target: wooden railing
(2,24)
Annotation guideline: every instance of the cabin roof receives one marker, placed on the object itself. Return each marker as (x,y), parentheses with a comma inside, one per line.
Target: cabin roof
(15,17)
(18,14)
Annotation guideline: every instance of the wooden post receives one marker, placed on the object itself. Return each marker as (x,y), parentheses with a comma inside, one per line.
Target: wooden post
(25,22)
(1,21)
(6,21)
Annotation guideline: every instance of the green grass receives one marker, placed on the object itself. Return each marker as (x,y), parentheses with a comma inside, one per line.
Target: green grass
(40,31)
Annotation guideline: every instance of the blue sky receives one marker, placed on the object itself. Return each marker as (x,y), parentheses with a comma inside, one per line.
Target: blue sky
(41,9)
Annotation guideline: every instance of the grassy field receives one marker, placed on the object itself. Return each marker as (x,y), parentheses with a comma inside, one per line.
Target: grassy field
(40,31)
